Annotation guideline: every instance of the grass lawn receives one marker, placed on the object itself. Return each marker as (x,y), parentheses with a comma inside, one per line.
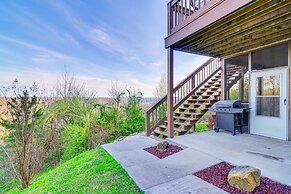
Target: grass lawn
(94,171)
(7,180)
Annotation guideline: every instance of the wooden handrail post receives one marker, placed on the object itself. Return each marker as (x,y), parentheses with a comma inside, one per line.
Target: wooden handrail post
(170,88)
(170,18)
(148,124)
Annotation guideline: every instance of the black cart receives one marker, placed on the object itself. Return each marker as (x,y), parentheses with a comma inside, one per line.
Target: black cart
(230,115)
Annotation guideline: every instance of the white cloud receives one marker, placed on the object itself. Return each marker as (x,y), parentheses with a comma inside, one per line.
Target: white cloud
(52,53)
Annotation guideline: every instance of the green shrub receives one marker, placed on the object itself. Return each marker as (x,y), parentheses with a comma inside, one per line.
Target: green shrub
(134,119)
(75,141)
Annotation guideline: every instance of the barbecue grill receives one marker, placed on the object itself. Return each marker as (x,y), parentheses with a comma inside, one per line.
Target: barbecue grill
(230,115)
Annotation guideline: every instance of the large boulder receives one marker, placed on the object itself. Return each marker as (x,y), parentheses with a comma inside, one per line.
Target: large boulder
(162,146)
(245,178)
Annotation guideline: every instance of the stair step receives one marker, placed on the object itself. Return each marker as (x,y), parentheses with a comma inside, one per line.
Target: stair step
(180,130)
(163,127)
(163,133)
(199,100)
(203,89)
(212,82)
(175,129)
(190,109)
(194,105)
(199,93)
(187,118)
(214,89)
(190,113)
(183,124)
(210,92)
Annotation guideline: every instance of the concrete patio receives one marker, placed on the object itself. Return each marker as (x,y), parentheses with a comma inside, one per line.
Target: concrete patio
(173,174)
(271,155)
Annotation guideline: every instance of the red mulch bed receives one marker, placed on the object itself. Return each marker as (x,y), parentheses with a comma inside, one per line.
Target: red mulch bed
(217,175)
(172,149)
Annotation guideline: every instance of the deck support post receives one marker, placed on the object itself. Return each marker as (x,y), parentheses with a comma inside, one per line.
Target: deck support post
(223,80)
(241,85)
(250,61)
(170,87)
(289,90)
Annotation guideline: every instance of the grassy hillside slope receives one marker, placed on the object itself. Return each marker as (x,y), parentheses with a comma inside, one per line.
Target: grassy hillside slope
(94,171)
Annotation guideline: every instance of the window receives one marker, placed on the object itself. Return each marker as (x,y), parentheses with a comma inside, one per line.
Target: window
(268,96)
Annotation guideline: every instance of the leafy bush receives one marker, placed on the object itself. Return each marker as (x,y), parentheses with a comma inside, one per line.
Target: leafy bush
(134,117)
(75,141)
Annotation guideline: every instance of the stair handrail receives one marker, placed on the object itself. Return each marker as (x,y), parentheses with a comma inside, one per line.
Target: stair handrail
(156,114)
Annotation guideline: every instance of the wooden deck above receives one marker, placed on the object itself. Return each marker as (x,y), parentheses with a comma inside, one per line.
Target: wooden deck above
(221,28)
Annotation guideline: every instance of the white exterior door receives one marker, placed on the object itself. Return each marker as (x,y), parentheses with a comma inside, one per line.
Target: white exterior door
(268,103)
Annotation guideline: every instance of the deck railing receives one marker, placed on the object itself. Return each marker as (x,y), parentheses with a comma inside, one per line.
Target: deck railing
(179,10)
(157,113)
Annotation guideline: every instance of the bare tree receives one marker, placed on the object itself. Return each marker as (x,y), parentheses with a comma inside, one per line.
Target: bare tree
(117,94)
(161,88)
(67,87)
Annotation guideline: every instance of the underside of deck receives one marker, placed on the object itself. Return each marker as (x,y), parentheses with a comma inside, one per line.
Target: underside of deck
(256,24)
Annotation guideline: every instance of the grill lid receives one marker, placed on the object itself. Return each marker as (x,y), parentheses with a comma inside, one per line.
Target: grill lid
(228,104)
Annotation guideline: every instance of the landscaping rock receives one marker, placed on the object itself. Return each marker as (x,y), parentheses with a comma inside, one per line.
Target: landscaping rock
(245,178)
(162,146)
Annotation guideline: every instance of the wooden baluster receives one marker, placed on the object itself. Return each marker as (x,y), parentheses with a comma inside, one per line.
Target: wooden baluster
(199,6)
(176,13)
(187,11)
(198,78)
(157,114)
(193,81)
(182,10)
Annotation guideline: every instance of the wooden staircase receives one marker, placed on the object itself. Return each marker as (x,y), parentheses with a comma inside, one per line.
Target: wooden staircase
(192,98)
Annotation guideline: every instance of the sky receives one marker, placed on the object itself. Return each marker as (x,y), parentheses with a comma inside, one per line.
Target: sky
(99,41)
